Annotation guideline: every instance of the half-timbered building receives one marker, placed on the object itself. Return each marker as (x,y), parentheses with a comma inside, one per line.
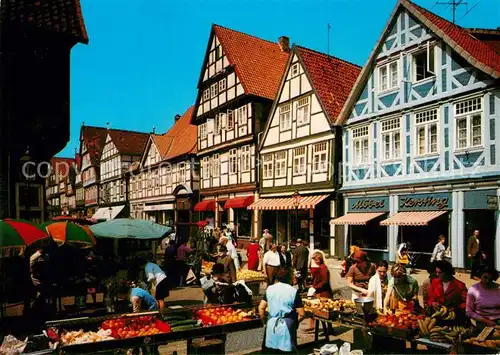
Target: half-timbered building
(164,187)
(55,193)
(121,149)
(91,143)
(238,82)
(299,150)
(421,138)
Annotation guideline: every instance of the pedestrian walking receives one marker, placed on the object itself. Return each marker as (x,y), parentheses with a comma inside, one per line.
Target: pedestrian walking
(475,254)
(253,255)
(271,264)
(182,258)
(286,260)
(300,263)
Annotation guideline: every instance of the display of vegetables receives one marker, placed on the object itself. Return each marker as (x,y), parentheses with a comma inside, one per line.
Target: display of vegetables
(326,304)
(130,327)
(222,315)
(399,320)
(249,275)
(81,337)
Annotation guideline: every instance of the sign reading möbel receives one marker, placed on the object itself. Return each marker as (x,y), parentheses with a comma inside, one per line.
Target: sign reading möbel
(368,204)
(425,202)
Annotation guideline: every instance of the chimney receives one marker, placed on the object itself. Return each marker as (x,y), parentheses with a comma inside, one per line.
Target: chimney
(177,117)
(284,43)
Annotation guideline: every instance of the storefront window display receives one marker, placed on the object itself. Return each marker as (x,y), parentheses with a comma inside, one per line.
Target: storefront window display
(243,219)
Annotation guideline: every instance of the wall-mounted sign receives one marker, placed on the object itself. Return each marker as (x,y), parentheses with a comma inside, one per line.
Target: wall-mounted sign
(425,202)
(162,207)
(492,202)
(368,204)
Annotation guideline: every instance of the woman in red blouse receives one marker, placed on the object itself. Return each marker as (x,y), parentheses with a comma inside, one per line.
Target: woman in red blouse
(321,277)
(253,255)
(445,289)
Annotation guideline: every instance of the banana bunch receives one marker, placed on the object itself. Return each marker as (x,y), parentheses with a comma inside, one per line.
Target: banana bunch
(426,326)
(444,314)
(449,334)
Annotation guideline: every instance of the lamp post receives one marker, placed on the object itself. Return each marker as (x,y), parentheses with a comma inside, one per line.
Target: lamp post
(110,209)
(296,202)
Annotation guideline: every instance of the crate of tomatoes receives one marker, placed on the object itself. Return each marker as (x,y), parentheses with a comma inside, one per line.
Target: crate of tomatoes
(399,324)
(129,327)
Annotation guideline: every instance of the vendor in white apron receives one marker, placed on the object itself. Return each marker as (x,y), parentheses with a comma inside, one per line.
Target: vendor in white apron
(284,315)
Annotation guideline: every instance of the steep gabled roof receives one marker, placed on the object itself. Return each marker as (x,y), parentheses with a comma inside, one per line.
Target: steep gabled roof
(61,166)
(490,37)
(94,139)
(128,142)
(478,53)
(58,16)
(258,63)
(331,77)
(181,138)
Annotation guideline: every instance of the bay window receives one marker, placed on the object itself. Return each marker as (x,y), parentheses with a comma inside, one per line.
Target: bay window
(469,125)
(361,147)
(423,64)
(299,161)
(426,124)
(391,139)
(280,161)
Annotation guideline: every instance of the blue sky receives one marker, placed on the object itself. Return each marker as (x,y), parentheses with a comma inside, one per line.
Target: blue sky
(142,64)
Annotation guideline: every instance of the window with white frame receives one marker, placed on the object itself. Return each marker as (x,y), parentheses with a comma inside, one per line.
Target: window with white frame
(181,171)
(303,111)
(426,127)
(360,142)
(285,117)
(320,157)
(213,90)
(280,164)
(391,139)
(267,166)
(203,131)
(233,161)
(423,64)
(206,94)
(215,165)
(295,69)
(217,124)
(241,115)
(245,158)
(222,85)
(230,119)
(299,160)
(222,120)
(468,122)
(206,167)
(388,76)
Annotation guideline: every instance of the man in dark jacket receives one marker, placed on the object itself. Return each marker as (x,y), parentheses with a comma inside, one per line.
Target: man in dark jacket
(300,261)
(476,254)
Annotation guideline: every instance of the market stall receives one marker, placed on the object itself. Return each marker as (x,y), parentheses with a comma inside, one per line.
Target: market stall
(146,330)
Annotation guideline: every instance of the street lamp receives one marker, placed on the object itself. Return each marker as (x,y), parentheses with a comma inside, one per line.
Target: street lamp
(110,209)
(296,202)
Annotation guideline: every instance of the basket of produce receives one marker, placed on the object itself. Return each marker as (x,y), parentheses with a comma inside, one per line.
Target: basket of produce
(206,267)
(222,315)
(250,276)
(491,342)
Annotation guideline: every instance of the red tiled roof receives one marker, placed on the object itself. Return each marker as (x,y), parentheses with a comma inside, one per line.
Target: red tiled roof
(331,77)
(489,37)
(78,160)
(61,165)
(128,142)
(259,64)
(60,16)
(481,55)
(180,139)
(94,138)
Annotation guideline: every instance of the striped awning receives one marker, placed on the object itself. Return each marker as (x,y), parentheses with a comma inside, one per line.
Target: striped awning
(356,219)
(287,203)
(414,218)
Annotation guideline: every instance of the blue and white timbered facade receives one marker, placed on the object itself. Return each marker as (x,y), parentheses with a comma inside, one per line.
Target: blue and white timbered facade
(424,118)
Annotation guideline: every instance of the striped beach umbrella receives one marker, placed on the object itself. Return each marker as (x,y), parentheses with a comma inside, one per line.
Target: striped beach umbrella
(15,233)
(70,233)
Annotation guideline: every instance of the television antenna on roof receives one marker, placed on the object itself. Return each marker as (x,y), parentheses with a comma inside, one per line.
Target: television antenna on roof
(455,4)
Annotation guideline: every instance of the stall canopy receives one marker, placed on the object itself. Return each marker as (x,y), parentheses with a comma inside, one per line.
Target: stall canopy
(356,219)
(287,203)
(205,205)
(130,228)
(414,218)
(239,202)
(107,213)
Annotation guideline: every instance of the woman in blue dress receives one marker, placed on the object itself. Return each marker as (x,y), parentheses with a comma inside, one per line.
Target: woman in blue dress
(284,315)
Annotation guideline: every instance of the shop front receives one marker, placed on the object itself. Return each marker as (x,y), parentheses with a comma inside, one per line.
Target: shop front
(162,213)
(362,225)
(420,220)
(239,216)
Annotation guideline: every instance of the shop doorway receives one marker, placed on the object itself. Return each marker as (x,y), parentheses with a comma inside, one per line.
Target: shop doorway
(484,221)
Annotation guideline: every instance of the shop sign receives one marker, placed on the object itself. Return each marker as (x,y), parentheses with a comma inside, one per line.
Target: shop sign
(162,207)
(368,204)
(492,202)
(425,202)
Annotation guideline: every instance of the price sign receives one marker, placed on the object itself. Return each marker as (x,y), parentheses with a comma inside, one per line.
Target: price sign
(484,334)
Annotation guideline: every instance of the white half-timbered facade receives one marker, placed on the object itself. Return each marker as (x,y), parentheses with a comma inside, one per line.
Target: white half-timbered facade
(421,126)
(298,149)
(234,98)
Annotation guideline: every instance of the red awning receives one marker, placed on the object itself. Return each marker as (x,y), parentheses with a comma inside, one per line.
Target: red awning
(239,202)
(356,219)
(287,203)
(205,205)
(414,218)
